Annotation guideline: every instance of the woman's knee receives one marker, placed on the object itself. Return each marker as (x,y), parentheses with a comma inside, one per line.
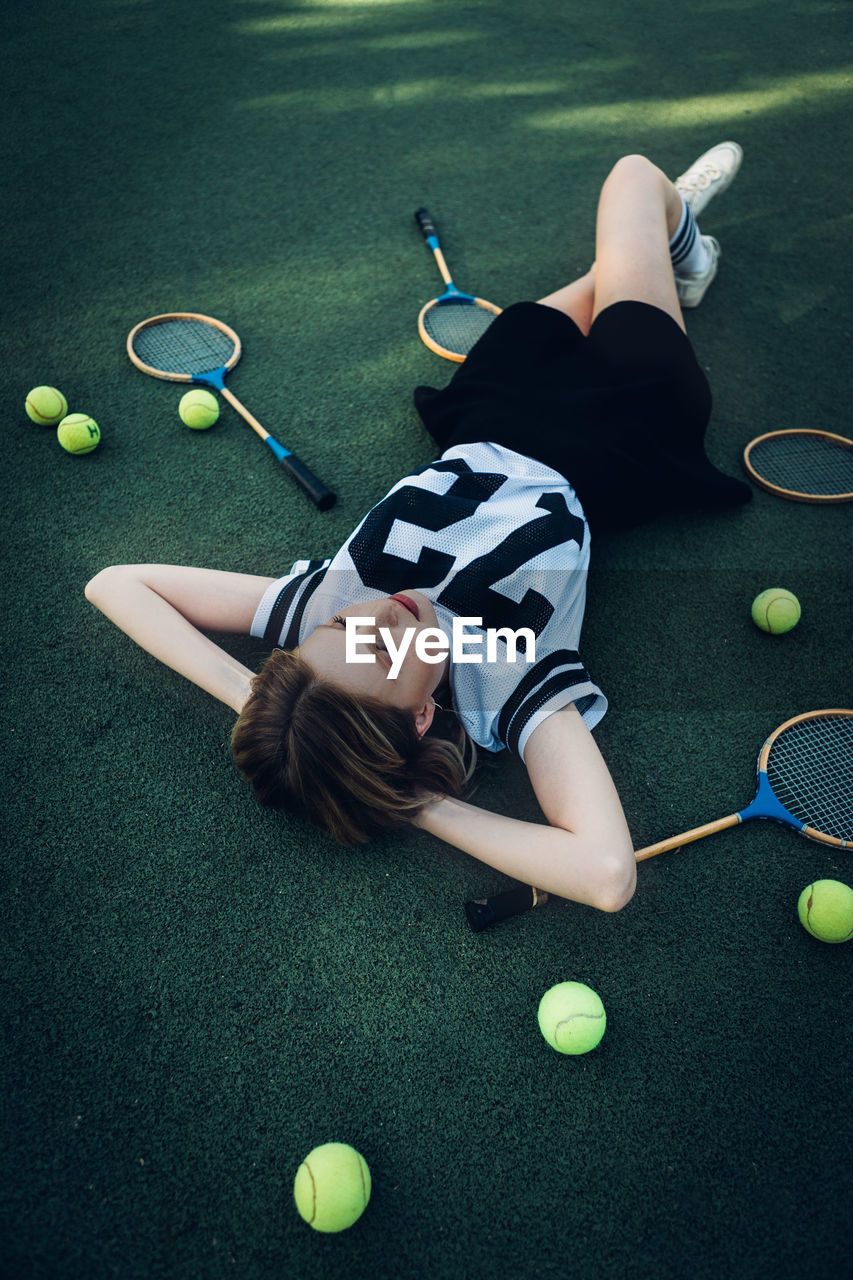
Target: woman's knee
(632,169)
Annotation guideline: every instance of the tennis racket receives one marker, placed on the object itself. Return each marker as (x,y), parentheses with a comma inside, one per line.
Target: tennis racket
(184,347)
(802,464)
(805,779)
(452,323)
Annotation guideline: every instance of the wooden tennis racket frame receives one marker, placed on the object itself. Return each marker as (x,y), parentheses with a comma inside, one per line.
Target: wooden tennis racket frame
(792,494)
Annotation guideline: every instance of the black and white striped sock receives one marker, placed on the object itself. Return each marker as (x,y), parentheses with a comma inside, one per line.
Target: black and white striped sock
(686,250)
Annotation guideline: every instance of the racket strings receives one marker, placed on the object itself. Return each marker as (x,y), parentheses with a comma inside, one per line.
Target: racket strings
(183,346)
(456,326)
(804,464)
(810,768)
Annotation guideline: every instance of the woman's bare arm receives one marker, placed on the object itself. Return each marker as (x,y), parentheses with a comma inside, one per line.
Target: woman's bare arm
(166,608)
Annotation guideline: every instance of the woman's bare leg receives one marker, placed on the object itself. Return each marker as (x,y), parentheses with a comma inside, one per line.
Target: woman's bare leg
(638,211)
(576,300)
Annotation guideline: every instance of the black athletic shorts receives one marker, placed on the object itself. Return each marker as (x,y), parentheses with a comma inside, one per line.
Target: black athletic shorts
(621,413)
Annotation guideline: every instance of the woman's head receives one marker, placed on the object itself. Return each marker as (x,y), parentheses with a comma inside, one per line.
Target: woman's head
(352,762)
(383,657)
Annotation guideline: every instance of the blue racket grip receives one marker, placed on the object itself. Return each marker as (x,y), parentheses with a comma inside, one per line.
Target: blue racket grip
(322,497)
(427,226)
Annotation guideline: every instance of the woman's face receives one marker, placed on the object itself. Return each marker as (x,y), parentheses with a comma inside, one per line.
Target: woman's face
(415,679)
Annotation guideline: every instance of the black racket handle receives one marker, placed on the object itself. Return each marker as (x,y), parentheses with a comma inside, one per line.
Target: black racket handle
(316,490)
(425,223)
(483,912)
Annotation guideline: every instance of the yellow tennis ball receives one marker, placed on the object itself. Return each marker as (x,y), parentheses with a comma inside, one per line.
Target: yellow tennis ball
(332,1187)
(825,909)
(199,409)
(46,405)
(776,610)
(78,433)
(572,1017)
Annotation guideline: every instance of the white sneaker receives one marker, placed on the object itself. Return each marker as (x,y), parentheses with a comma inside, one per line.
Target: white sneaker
(709,175)
(692,288)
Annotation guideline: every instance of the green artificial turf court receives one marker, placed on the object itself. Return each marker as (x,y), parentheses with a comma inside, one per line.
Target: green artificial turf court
(196,991)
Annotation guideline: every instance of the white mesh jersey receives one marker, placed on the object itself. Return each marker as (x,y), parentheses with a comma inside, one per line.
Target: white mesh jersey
(483,533)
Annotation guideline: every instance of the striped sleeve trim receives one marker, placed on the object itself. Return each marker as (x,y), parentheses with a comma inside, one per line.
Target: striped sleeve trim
(294,596)
(537,688)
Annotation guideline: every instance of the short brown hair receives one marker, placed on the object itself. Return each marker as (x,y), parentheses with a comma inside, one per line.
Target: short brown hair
(351,765)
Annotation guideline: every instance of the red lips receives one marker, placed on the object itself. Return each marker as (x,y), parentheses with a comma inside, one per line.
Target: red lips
(408,603)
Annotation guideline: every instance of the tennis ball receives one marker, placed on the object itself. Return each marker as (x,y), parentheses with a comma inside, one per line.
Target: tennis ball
(776,610)
(572,1017)
(332,1187)
(198,409)
(825,909)
(78,433)
(46,405)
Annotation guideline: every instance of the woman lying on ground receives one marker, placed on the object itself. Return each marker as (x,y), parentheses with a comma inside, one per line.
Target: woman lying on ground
(584,410)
